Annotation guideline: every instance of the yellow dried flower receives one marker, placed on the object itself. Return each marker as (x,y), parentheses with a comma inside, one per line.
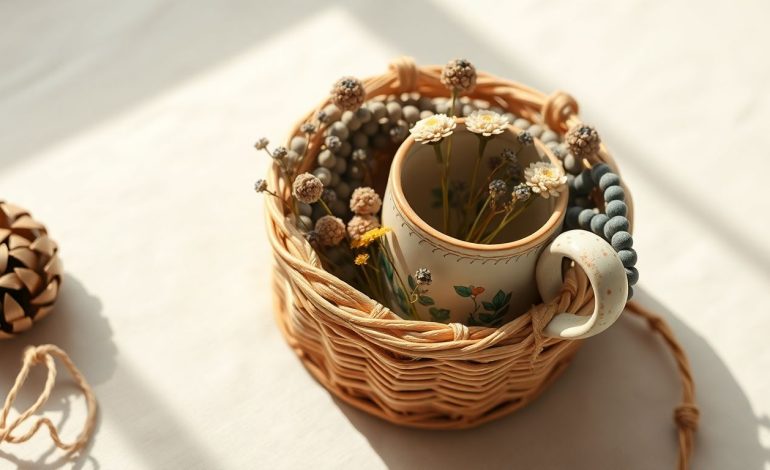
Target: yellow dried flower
(361,259)
(370,237)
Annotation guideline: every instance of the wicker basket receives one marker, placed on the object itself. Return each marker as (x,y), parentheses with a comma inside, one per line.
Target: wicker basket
(421,374)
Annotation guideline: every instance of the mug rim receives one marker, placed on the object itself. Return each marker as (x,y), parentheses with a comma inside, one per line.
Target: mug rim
(406,209)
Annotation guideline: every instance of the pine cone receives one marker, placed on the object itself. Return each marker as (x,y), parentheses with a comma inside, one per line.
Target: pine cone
(30,271)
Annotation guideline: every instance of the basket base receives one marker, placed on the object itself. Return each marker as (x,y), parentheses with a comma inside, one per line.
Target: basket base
(314,363)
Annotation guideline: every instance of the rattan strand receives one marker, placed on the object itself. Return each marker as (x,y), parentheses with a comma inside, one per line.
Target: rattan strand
(425,374)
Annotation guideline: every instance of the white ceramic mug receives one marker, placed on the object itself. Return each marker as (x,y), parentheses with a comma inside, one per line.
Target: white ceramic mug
(491,283)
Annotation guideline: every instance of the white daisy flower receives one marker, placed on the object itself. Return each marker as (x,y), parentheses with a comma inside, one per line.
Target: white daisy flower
(434,128)
(486,123)
(545,179)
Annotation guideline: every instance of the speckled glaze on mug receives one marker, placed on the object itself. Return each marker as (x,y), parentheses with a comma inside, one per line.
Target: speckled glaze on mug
(474,283)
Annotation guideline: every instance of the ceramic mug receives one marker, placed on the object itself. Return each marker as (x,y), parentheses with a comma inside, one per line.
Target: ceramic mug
(489,284)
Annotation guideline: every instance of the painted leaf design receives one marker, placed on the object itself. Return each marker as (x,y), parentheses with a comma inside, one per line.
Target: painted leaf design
(487,318)
(439,314)
(387,267)
(425,300)
(411,282)
(463,291)
(499,299)
(489,306)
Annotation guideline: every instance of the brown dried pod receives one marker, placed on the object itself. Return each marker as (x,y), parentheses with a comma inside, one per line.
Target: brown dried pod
(30,271)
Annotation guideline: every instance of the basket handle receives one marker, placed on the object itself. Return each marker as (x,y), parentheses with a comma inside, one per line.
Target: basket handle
(605,272)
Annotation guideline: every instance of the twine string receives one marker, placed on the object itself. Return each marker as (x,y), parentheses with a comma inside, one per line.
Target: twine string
(45,354)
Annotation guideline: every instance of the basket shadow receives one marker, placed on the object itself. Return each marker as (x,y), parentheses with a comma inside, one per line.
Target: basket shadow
(612,408)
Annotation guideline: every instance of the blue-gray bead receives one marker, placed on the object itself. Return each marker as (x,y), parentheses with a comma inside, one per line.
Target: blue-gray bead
(616,208)
(340,130)
(583,183)
(630,292)
(614,193)
(597,171)
(622,241)
(598,222)
(583,202)
(633,276)
(628,257)
(607,180)
(571,164)
(572,216)
(615,225)
(584,218)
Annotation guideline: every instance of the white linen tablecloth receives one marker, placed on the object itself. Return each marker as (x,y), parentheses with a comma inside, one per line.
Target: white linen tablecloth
(127,127)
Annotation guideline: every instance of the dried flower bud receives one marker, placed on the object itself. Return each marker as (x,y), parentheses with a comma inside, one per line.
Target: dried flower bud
(307,128)
(322,117)
(307,188)
(280,153)
(348,94)
(459,75)
(583,141)
(333,143)
(525,138)
(359,155)
(360,224)
(497,188)
(365,201)
(330,230)
(521,192)
(262,143)
(423,277)
(260,186)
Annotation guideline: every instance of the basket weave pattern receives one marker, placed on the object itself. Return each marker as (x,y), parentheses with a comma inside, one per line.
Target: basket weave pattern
(421,374)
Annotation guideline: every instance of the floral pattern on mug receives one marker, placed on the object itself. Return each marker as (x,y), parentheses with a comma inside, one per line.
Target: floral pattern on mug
(485,313)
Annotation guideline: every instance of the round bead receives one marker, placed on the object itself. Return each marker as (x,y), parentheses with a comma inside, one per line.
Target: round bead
(305,221)
(521,123)
(345,149)
(467,110)
(338,208)
(355,172)
(598,171)
(509,117)
(583,183)
(360,140)
(584,218)
(425,104)
(363,114)
(324,175)
(411,114)
(633,276)
(394,111)
(615,225)
(571,219)
(380,141)
(426,113)
(628,257)
(370,128)
(622,241)
(441,105)
(350,120)
(343,190)
(616,208)
(536,130)
(571,164)
(340,130)
(598,223)
(292,157)
(614,193)
(333,113)
(549,136)
(335,179)
(630,292)
(304,209)
(584,202)
(298,144)
(378,110)
(607,180)
(340,165)
(327,159)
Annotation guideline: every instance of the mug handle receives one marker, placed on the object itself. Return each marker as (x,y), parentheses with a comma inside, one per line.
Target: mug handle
(604,270)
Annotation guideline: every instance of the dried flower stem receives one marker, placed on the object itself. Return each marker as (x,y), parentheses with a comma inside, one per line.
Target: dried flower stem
(384,249)
(509,217)
(326,208)
(471,196)
(444,186)
(478,218)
